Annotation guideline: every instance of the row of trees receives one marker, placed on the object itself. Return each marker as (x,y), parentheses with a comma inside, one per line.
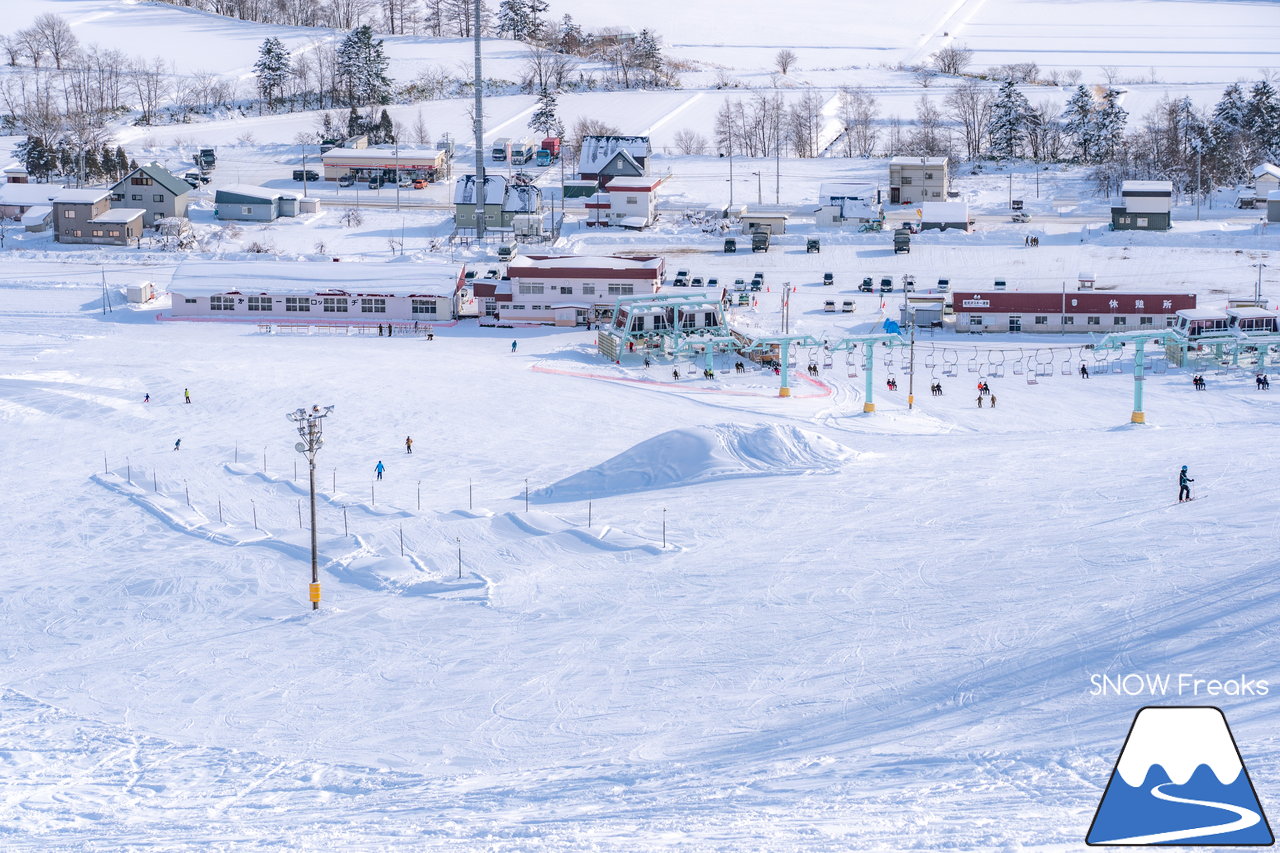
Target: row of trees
(90,163)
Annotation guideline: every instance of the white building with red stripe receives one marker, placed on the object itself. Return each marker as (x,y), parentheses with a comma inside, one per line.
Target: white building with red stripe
(573,290)
(1067,312)
(627,202)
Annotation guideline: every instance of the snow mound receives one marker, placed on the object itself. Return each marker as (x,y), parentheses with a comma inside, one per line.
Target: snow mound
(685,457)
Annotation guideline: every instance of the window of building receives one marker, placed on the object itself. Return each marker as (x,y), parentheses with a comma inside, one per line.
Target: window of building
(1042,321)
(975,321)
(97,232)
(531,288)
(113,233)
(297,303)
(490,308)
(1168,321)
(1068,320)
(136,197)
(632,199)
(621,289)
(78,233)
(117,196)
(222,303)
(928,176)
(515,307)
(373,306)
(424,306)
(246,210)
(588,290)
(1142,222)
(157,197)
(260,303)
(937,193)
(1119,321)
(1144,321)
(335,304)
(189,301)
(140,181)
(906,181)
(1093,321)
(68,214)
(566,291)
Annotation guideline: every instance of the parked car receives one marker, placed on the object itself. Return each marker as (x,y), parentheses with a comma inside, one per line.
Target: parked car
(1021,216)
(739,284)
(681,279)
(944,285)
(757,278)
(867,285)
(886,285)
(730,245)
(757,285)
(713,282)
(828,279)
(376,182)
(346,180)
(829,306)
(305,175)
(908,283)
(812,245)
(696,281)
(847,308)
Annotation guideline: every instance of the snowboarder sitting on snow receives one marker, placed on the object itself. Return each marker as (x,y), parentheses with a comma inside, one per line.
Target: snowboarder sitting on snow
(1184,488)
(379,468)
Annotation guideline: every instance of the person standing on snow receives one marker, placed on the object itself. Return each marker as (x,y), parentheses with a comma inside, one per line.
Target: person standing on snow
(379,468)
(979,399)
(993,401)
(513,346)
(177,444)
(1184,487)
(186,395)
(408,444)
(146,398)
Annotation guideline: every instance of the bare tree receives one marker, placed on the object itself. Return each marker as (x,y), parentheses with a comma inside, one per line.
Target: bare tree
(11,48)
(927,139)
(590,127)
(969,105)
(54,33)
(858,114)
(952,59)
(690,143)
(924,76)
(149,81)
(785,60)
(804,124)
(545,69)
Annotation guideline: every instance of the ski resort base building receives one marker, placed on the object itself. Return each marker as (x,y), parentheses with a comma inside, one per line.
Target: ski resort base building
(1067,313)
(317,293)
(573,291)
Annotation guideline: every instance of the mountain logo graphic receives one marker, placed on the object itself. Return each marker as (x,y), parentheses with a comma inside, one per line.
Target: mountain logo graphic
(1180,780)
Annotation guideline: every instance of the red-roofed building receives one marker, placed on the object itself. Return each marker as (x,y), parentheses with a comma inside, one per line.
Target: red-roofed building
(628,202)
(573,290)
(1071,312)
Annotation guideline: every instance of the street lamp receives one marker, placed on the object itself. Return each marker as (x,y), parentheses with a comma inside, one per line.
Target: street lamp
(310,425)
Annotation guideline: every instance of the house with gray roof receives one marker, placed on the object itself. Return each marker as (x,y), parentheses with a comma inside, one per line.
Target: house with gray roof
(503,201)
(154,189)
(604,158)
(248,203)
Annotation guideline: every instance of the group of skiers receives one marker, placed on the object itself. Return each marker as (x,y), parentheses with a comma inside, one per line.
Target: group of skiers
(186,396)
(1263,383)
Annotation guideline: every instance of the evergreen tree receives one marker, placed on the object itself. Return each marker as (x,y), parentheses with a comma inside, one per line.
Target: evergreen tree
(544,119)
(355,124)
(362,68)
(1229,113)
(1109,125)
(537,20)
(272,70)
(1227,147)
(1262,121)
(646,53)
(91,164)
(133,164)
(386,128)
(514,20)
(108,161)
(67,164)
(1078,123)
(1010,114)
(571,38)
(39,160)
(122,162)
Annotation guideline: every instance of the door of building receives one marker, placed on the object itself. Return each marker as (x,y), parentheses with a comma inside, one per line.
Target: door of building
(1015,322)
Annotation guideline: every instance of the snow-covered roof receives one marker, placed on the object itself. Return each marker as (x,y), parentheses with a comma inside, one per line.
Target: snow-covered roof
(307,278)
(523,198)
(856,208)
(495,189)
(633,222)
(249,191)
(918,161)
(1203,313)
(1274,195)
(86,196)
(1268,169)
(25,194)
(1250,312)
(1146,187)
(380,153)
(37,214)
(586,261)
(598,150)
(944,211)
(119,215)
(160,175)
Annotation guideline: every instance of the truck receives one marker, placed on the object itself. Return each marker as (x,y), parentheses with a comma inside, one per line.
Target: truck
(552,146)
(543,157)
(205,160)
(901,241)
(521,152)
(759,241)
(500,150)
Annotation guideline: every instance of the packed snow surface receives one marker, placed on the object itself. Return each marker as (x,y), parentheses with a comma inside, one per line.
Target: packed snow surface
(687,457)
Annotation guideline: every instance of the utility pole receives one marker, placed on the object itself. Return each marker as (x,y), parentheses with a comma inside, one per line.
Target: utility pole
(759,197)
(304,174)
(1198,156)
(1257,288)
(396,142)
(731,165)
(777,160)
(479,127)
(310,425)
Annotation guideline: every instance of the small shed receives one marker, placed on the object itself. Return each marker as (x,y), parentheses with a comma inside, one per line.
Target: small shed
(253,204)
(580,189)
(1273,206)
(924,311)
(774,223)
(37,218)
(1146,206)
(1086,281)
(941,215)
(139,293)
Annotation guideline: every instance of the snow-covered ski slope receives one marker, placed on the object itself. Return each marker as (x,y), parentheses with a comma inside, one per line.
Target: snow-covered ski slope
(882,637)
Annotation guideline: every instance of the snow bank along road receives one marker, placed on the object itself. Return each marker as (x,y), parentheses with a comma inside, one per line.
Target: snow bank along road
(887,646)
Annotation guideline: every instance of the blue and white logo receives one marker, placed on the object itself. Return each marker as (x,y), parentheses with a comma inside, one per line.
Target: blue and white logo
(1180,781)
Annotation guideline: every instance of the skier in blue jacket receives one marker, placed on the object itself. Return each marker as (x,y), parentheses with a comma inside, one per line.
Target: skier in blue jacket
(1184,487)
(379,469)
